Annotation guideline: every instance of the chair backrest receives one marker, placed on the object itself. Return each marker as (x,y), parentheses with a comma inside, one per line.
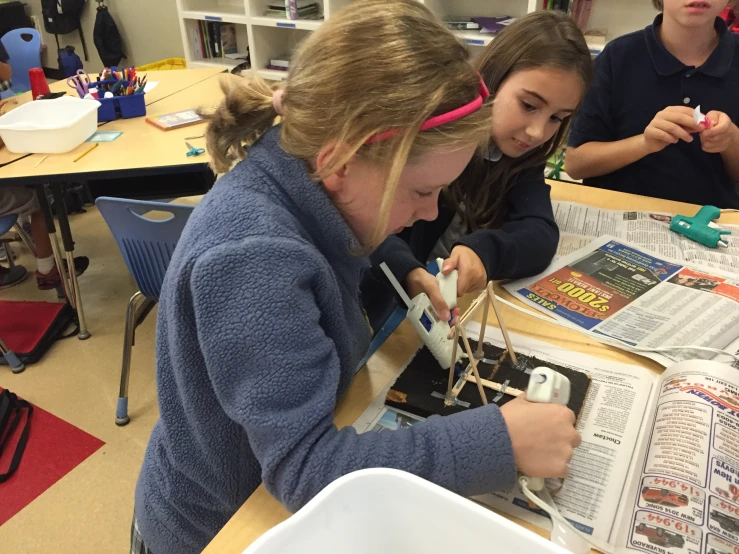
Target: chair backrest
(23,55)
(146,244)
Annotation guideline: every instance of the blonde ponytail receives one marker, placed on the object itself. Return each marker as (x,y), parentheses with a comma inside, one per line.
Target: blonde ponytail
(244,115)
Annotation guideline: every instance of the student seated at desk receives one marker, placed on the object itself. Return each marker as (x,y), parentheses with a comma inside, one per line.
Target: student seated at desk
(635,131)
(496,221)
(260,326)
(22,201)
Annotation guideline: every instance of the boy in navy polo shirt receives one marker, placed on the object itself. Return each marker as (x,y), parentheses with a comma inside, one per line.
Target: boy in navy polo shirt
(635,130)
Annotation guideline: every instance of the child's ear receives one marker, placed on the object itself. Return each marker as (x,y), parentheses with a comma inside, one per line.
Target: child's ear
(325,162)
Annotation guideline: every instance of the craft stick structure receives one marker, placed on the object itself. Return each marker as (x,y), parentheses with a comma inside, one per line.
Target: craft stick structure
(485,299)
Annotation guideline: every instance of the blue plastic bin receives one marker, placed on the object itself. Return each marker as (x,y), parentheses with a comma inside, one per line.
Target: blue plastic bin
(125,107)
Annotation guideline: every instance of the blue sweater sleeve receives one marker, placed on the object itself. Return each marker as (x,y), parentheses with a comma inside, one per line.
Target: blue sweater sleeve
(277,374)
(527,241)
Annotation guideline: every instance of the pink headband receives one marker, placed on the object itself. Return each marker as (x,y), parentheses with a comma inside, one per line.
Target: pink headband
(441,119)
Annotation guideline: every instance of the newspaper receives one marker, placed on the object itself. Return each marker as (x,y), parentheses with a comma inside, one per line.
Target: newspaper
(580,224)
(626,293)
(683,492)
(658,467)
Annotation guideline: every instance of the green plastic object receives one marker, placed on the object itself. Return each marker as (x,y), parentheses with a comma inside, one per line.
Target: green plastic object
(696,228)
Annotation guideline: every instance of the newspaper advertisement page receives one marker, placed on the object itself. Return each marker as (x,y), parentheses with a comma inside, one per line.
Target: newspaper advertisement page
(686,499)
(625,293)
(610,424)
(580,224)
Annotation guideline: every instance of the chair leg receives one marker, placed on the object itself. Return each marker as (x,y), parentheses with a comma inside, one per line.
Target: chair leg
(26,239)
(9,253)
(135,316)
(16,366)
(121,413)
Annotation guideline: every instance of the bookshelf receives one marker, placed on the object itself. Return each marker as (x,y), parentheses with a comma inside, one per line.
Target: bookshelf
(269,35)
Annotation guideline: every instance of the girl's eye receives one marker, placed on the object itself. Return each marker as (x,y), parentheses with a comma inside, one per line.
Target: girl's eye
(528,107)
(557,119)
(424,194)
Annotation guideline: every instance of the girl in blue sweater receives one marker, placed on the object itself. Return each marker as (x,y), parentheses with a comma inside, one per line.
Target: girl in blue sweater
(260,326)
(496,220)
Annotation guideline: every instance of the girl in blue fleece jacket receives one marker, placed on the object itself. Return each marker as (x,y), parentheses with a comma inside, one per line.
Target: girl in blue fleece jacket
(260,326)
(496,220)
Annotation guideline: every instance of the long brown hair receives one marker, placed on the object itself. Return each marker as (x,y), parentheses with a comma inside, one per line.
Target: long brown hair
(544,39)
(376,65)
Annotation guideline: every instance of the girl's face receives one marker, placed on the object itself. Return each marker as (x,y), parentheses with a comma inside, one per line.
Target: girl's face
(692,13)
(529,108)
(357,190)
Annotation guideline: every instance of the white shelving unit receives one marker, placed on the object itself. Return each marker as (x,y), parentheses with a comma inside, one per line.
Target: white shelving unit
(269,36)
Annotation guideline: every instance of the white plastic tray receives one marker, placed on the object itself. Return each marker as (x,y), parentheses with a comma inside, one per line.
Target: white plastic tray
(49,126)
(385,511)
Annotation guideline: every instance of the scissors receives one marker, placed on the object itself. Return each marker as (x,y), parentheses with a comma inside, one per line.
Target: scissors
(80,82)
(194,151)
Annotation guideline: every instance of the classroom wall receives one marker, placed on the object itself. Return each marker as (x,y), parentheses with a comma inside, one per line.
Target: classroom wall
(149,29)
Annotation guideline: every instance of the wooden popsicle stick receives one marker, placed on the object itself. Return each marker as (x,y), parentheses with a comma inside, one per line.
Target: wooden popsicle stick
(503,329)
(473,363)
(481,337)
(470,311)
(497,386)
(453,360)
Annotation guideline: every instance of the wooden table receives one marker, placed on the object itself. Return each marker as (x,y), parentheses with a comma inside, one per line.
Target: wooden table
(177,90)
(261,512)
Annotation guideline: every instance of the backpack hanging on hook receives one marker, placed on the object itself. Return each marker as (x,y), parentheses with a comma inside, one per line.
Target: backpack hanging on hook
(62,17)
(107,38)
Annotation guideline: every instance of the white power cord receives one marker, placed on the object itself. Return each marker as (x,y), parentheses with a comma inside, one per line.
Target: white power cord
(616,342)
(564,534)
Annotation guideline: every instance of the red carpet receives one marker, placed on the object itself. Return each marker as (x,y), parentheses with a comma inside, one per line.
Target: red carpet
(54,449)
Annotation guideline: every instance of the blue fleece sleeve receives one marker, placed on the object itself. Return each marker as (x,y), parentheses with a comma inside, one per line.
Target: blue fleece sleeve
(276,373)
(527,240)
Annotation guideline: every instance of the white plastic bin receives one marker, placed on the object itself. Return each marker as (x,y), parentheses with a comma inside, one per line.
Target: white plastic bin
(385,511)
(49,126)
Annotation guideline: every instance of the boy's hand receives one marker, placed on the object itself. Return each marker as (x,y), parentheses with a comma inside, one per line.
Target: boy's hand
(473,276)
(672,124)
(419,280)
(720,135)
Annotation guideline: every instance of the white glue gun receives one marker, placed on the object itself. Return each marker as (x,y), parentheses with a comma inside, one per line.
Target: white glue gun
(546,386)
(447,285)
(433,331)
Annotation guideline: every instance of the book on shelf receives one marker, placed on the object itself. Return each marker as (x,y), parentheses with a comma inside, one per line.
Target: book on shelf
(291,9)
(596,37)
(228,39)
(304,9)
(280,61)
(237,55)
(455,23)
(493,25)
(277,67)
(213,39)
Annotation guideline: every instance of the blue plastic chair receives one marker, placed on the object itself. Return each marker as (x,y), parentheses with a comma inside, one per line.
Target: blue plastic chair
(23,55)
(147,246)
